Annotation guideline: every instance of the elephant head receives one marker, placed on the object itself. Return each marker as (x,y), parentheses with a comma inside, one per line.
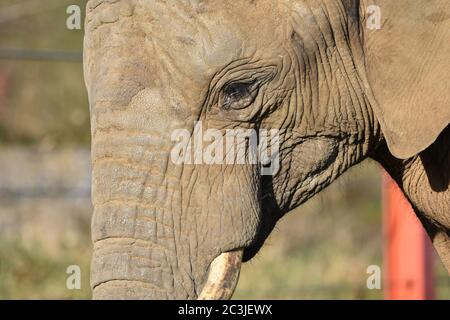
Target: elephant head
(170,223)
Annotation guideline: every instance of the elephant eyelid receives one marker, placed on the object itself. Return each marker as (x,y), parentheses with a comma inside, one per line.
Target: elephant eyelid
(243,88)
(238,95)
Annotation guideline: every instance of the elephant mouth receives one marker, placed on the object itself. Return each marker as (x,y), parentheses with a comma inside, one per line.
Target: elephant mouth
(271,216)
(224,271)
(223,276)
(252,250)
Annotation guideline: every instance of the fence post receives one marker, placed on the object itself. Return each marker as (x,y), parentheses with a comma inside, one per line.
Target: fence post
(407,249)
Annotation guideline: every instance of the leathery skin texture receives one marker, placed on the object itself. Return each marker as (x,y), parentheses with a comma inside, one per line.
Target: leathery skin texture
(335,90)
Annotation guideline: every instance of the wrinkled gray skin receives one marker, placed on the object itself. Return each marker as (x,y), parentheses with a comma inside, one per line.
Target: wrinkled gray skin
(341,93)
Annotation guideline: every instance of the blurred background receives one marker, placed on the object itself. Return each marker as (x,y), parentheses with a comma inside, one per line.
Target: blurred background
(319,251)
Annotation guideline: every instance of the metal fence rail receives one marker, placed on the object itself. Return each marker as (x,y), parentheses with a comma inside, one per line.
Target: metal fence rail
(40,55)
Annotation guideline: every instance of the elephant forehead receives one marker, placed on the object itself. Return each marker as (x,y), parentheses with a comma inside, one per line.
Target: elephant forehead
(198,38)
(175,46)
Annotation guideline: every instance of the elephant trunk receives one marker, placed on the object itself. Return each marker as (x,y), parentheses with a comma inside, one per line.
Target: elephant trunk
(136,221)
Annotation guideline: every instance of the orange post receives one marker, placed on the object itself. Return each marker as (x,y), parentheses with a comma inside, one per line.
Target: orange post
(407,249)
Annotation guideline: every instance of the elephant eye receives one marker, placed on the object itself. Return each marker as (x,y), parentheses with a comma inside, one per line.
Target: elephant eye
(238,95)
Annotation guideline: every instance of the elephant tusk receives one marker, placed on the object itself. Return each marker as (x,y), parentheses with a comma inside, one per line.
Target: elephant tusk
(223,276)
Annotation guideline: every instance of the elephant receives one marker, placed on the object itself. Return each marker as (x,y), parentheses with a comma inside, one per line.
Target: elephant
(339,81)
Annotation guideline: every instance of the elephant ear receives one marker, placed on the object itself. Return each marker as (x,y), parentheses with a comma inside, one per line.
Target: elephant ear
(408,68)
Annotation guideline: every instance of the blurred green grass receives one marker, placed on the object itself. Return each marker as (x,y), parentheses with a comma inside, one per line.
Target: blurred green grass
(45,102)
(32,272)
